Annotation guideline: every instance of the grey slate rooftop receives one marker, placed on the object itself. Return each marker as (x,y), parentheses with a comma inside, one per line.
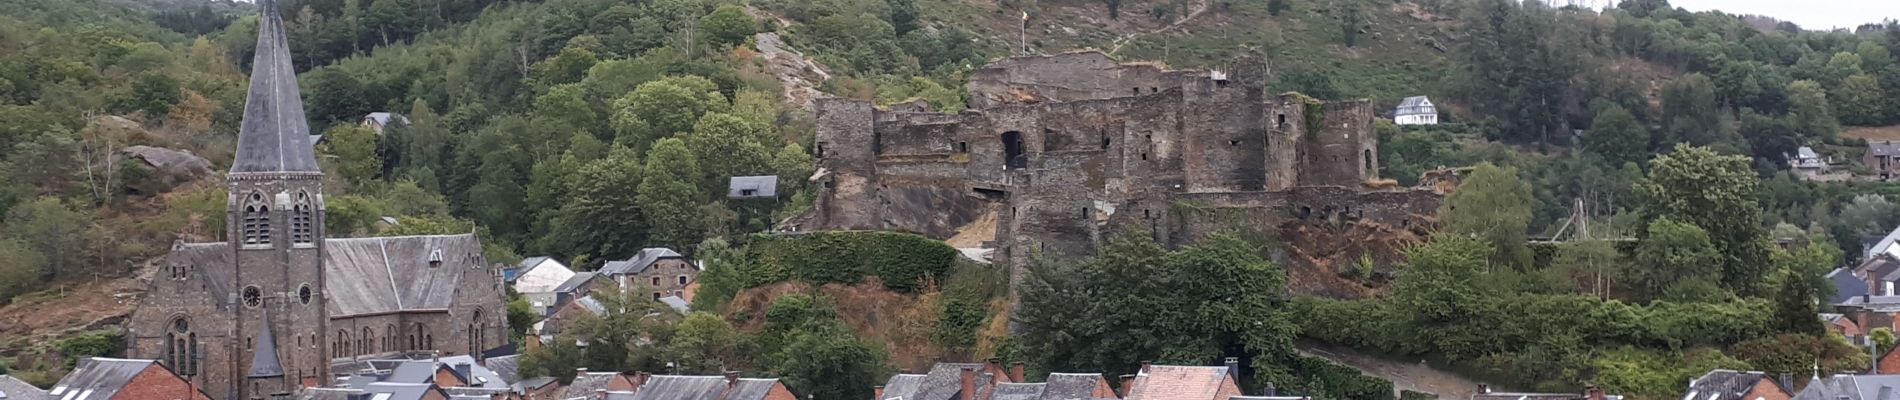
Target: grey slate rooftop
(640,262)
(264,361)
(1852,387)
(99,377)
(274,136)
(943,382)
(15,389)
(750,187)
(365,275)
(575,282)
(1723,384)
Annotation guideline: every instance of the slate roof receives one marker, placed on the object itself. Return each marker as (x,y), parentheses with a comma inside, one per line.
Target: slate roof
(1846,285)
(264,361)
(1535,396)
(15,389)
(1805,152)
(527,264)
(1017,391)
(401,391)
(531,383)
(274,136)
(382,118)
(1883,148)
(676,387)
(1178,382)
(944,382)
(574,283)
(1723,384)
(1062,386)
(751,389)
(363,275)
(99,377)
(761,187)
(677,303)
(1415,105)
(640,262)
(479,375)
(505,367)
(585,384)
(1883,245)
(1852,387)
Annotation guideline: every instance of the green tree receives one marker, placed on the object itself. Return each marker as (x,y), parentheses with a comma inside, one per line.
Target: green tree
(154,94)
(601,217)
(558,359)
(1715,192)
(1811,112)
(1617,136)
(664,108)
(670,195)
(727,25)
(828,361)
(1438,293)
(705,344)
(1795,310)
(1589,266)
(352,149)
(21,269)
(1859,100)
(1674,253)
(725,147)
(73,244)
(521,316)
(1870,214)
(1690,112)
(1494,205)
(1884,339)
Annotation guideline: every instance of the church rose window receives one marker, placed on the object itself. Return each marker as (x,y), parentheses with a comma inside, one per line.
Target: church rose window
(253,296)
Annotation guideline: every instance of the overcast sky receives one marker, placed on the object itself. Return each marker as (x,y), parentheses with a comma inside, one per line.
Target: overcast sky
(1810,14)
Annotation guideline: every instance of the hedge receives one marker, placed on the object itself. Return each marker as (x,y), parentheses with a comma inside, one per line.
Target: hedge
(903,261)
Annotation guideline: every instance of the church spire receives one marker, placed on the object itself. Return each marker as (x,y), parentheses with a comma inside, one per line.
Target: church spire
(274,137)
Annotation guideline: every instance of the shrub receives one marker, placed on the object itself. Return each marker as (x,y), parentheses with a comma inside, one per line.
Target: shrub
(903,261)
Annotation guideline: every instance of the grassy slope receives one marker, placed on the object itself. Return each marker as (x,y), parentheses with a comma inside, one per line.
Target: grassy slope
(1395,56)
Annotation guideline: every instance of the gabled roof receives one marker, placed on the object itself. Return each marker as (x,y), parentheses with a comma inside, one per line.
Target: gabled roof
(15,389)
(761,186)
(505,367)
(100,378)
(401,391)
(675,387)
(532,383)
(1806,153)
(264,361)
(586,383)
(1415,105)
(1178,382)
(1414,101)
(1852,387)
(479,375)
(274,136)
(382,118)
(640,262)
(944,382)
(1846,285)
(575,282)
(387,274)
(1883,148)
(1724,384)
(591,304)
(1884,245)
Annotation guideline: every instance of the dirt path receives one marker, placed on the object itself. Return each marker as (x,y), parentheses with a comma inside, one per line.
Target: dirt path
(1200,6)
(1414,376)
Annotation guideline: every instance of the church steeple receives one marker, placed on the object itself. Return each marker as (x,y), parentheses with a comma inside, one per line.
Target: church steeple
(274,136)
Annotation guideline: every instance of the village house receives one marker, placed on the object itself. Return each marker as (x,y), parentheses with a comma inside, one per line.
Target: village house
(1183,382)
(539,280)
(377,120)
(702,387)
(663,271)
(1724,384)
(15,389)
(595,385)
(99,378)
(1415,110)
(1883,156)
(752,187)
(1806,162)
(947,381)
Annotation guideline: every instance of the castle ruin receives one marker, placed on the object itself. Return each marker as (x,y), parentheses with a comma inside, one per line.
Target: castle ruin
(1067,149)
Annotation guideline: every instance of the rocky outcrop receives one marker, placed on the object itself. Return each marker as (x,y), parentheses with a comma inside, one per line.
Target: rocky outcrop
(170,167)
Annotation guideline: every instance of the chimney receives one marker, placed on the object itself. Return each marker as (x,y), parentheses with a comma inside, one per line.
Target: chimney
(732,379)
(1233,368)
(969,383)
(1145,365)
(640,379)
(1128,385)
(1271,391)
(1787,381)
(994,366)
(877,392)
(1016,372)
(1484,388)
(1596,393)
(600,394)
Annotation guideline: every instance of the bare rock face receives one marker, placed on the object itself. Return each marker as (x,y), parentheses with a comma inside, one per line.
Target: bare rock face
(171,165)
(798,73)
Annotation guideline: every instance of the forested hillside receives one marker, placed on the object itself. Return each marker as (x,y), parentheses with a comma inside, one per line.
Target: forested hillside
(588,129)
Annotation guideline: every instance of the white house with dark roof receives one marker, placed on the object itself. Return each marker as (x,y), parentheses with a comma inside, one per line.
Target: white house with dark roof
(1415,110)
(538,279)
(377,120)
(752,187)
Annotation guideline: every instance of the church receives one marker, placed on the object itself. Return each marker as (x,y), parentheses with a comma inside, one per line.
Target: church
(272,307)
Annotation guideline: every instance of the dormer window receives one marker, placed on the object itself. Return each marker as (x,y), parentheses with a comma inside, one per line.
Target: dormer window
(256,220)
(435,258)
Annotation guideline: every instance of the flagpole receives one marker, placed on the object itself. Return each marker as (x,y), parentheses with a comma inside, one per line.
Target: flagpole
(1022,37)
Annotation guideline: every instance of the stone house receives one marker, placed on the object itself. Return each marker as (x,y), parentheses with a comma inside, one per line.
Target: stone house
(948,381)
(1723,384)
(270,309)
(1883,157)
(595,385)
(1415,110)
(98,378)
(661,271)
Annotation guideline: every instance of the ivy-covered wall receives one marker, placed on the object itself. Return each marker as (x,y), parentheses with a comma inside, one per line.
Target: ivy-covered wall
(902,260)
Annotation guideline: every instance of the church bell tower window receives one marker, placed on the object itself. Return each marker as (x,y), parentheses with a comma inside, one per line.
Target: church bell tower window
(302,220)
(256,220)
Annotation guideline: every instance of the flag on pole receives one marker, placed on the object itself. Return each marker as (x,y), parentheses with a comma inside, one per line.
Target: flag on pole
(1025,15)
